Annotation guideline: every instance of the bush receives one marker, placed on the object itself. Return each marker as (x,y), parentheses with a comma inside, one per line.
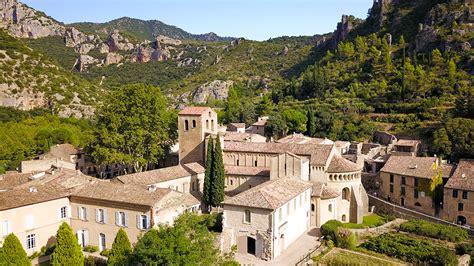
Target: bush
(440,231)
(91,249)
(329,229)
(12,252)
(410,249)
(105,252)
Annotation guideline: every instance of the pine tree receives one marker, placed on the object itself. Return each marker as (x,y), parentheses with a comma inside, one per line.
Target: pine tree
(12,252)
(67,251)
(121,250)
(219,174)
(208,176)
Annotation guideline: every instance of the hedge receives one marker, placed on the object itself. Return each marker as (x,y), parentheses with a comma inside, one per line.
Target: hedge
(439,231)
(341,237)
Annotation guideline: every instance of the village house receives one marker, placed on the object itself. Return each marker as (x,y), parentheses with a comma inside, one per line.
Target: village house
(236,127)
(259,126)
(100,209)
(458,206)
(59,156)
(406,181)
(266,219)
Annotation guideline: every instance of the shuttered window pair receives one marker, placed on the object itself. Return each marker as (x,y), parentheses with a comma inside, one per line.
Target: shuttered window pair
(101,216)
(121,219)
(143,222)
(82,213)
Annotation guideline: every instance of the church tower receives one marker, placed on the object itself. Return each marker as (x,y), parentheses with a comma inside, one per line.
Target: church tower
(194,124)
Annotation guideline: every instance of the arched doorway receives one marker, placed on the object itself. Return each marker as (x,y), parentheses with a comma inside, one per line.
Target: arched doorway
(251,245)
(461,220)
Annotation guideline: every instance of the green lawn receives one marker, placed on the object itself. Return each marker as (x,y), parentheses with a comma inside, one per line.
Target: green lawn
(372,220)
(341,257)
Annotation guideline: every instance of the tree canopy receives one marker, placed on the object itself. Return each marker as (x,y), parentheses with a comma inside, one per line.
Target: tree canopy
(67,250)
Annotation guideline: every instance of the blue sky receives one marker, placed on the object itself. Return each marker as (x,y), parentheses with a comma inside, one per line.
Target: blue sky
(252,19)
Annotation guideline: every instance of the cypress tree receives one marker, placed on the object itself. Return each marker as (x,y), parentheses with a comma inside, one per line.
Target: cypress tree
(67,251)
(310,123)
(121,250)
(208,176)
(12,252)
(219,174)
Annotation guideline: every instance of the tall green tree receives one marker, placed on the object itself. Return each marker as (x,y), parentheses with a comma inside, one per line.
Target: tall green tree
(219,174)
(310,123)
(121,251)
(134,127)
(187,242)
(209,174)
(67,251)
(12,252)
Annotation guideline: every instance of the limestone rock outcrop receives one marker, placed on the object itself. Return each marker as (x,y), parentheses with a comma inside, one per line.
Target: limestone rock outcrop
(73,37)
(84,61)
(116,42)
(84,48)
(24,22)
(113,58)
(217,89)
(167,40)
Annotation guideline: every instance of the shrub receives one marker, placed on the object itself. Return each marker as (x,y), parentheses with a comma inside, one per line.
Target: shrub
(329,229)
(91,249)
(410,249)
(345,239)
(67,251)
(440,231)
(105,252)
(12,252)
(121,249)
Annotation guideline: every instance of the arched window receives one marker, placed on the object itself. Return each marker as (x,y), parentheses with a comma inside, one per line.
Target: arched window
(345,193)
(312,207)
(343,217)
(417,204)
(207,124)
(186,125)
(330,207)
(212,124)
(194,123)
(330,177)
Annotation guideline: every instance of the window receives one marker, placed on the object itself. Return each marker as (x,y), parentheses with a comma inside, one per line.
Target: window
(343,217)
(5,228)
(464,194)
(415,193)
(280,214)
(82,213)
(255,163)
(402,201)
(330,207)
(416,182)
(238,162)
(143,222)
(102,242)
(455,193)
(391,188)
(83,237)
(404,180)
(207,124)
(417,204)
(231,182)
(312,207)
(345,193)
(460,207)
(30,241)
(121,219)
(63,212)
(186,125)
(100,215)
(403,191)
(212,124)
(247,217)
(194,123)
(391,178)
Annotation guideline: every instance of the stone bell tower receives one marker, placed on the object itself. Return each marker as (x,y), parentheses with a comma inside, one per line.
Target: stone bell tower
(194,124)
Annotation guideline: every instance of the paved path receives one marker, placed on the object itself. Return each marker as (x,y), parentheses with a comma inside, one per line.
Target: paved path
(296,251)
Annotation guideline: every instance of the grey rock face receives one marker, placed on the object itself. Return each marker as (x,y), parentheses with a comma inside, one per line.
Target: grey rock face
(73,37)
(84,48)
(84,61)
(217,89)
(113,58)
(24,22)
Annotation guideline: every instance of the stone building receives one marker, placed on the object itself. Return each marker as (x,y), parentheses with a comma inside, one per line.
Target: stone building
(406,181)
(259,126)
(236,127)
(100,209)
(59,156)
(194,124)
(266,219)
(458,204)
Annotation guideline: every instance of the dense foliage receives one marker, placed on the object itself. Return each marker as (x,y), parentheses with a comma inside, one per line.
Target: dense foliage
(121,250)
(410,249)
(440,231)
(188,241)
(333,230)
(12,252)
(134,127)
(25,135)
(67,250)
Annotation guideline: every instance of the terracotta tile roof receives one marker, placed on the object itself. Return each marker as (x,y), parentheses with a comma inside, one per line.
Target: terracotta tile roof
(62,151)
(11,180)
(124,193)
(162,174)
(407,142)
(271,194)
(23,196)
(319,153)
(262,122)
(238,125)
(243,137)
(423,167)
(463,176)
(194,110)
(341,165)
(246,170)
(297,138)
(322,191)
